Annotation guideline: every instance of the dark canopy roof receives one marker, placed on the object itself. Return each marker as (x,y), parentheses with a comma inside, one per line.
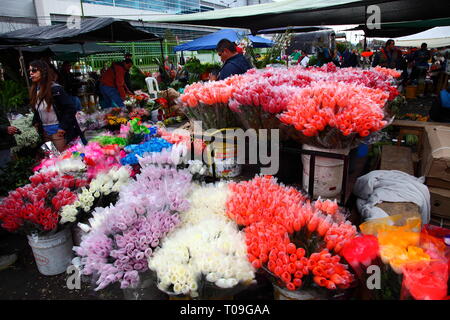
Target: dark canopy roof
(85,49)
(95,29)
(292,29)
(311,13)
(400,29)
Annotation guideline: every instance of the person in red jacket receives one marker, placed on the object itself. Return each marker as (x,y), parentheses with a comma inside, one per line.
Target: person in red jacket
(112,84)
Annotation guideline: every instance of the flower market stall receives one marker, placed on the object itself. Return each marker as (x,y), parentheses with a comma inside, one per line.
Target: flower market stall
(135,209)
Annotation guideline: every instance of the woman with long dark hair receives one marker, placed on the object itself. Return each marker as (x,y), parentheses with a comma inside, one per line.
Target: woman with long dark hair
(54,111)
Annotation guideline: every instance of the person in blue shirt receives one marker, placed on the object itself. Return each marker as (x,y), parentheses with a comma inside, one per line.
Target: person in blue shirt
(233,62)
(440,109)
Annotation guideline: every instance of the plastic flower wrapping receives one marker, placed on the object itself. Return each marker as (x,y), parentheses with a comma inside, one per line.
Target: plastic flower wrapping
(259,96)
(332,115)
(101,192)
(91,121)
(95,157)
(414,263)
(29,137)
(140,113)
(67,165)
(206,254)
(117,247)
(297,243)
(208,103)
(34,208)
(135,150)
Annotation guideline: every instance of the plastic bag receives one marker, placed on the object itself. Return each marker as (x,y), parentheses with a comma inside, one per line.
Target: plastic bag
(405,223)
(425,280)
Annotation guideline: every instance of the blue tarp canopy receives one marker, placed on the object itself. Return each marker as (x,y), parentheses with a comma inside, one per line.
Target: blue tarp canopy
(210,41)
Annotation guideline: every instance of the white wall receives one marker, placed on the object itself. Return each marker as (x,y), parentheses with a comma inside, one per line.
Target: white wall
(64,7)
(15,14)
(17,8)
(228,3)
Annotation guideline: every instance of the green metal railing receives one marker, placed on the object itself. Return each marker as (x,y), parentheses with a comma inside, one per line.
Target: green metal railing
(143,54)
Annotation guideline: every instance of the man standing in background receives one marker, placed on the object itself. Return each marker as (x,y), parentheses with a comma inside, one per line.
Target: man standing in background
(233,62)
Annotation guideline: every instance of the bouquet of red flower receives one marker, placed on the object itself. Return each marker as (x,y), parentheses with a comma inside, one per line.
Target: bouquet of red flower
(35,207)
(297,243)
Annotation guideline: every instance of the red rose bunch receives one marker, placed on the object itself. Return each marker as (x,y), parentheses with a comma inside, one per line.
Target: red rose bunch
(37,204)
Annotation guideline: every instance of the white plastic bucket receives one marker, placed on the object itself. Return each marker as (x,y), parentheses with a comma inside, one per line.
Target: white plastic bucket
(284,294)
(53,254)
(328,173)
(225,159)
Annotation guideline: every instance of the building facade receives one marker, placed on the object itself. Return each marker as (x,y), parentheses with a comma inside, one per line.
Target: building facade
(21,14)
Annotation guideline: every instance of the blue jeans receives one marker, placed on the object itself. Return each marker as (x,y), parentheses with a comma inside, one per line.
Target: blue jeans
(76,102)
(110,96)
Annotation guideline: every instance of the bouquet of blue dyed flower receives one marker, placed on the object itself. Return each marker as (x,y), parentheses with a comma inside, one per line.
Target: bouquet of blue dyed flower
(134,150)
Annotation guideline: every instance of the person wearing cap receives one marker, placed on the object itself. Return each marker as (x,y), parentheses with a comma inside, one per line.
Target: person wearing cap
(233,62)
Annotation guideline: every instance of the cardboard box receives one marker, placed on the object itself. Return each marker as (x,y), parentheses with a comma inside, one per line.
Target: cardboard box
(397,158)
(440,202)
(436,157)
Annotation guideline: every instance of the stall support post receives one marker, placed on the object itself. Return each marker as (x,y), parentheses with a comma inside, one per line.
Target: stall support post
(344,180)
(312,169)
(162,49)
(23,68)
(133,52)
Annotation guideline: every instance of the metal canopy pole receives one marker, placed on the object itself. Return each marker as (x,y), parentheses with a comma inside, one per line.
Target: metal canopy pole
(23,67)
(162,49)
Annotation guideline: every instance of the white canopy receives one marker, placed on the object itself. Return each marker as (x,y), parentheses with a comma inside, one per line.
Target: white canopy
(435,38)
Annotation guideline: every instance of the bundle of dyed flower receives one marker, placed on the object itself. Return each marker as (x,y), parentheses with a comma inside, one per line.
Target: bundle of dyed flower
(123,237)
(134,150)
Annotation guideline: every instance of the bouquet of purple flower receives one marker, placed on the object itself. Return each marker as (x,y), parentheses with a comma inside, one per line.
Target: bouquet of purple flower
(122,237)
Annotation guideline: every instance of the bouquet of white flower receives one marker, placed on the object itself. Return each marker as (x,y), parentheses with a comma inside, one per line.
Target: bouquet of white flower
(29,138)
(102,191)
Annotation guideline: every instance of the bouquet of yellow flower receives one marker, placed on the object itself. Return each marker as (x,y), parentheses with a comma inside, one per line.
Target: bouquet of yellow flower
(417,259)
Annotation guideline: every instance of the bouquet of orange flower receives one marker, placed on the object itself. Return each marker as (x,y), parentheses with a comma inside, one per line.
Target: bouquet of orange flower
(208,102)
(296,242)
